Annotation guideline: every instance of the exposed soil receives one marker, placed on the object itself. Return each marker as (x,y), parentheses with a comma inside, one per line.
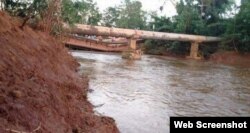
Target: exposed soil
(227,57)
(40,90)
(231,58)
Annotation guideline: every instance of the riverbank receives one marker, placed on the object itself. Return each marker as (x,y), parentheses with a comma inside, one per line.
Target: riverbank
(231,58)
(226,57)
(40,90)
(132,94)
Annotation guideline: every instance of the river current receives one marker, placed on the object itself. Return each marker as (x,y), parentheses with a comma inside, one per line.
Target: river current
(141,95)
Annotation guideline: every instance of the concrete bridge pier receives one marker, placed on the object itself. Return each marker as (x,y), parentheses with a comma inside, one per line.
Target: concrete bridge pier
(194,51)
(132,52)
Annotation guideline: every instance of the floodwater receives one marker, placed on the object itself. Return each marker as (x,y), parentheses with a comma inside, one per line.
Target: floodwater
(141,95)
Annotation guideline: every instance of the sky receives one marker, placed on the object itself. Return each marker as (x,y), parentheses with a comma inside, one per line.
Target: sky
(147,5)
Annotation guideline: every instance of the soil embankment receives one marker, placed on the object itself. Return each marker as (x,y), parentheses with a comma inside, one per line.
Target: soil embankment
(40,90)
(231,58)
(227,57)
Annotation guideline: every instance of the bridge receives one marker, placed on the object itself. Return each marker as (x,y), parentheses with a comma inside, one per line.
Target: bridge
(96,44)
(133,36)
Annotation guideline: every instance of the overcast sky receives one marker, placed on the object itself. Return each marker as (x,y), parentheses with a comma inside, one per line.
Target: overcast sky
(147,5)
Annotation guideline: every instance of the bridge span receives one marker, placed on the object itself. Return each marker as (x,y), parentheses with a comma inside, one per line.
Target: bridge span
(133,35)
(97,45)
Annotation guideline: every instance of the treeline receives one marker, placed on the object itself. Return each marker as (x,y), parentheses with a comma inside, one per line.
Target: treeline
(221,18)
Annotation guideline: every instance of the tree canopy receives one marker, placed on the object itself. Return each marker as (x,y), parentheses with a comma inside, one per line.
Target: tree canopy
(129,14)
(81,11)
(200,17)
(237,36)
(205,17)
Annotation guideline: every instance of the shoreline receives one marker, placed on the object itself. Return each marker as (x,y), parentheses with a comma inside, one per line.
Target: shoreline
(40,85)
(230,58)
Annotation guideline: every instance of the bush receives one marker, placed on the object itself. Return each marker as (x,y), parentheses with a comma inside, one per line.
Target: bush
(237,36)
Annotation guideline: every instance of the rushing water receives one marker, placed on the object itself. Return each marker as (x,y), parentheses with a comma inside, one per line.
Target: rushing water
(141,95)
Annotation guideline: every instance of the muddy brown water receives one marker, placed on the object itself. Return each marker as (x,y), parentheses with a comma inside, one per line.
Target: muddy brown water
(141,95)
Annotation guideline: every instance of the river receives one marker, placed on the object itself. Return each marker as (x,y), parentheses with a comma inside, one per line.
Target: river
(141,95)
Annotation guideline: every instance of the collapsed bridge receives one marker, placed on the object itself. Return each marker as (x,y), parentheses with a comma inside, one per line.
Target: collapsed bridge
(133,35)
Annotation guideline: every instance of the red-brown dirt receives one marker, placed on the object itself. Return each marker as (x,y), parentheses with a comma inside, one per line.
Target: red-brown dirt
(231,58)
(40,90)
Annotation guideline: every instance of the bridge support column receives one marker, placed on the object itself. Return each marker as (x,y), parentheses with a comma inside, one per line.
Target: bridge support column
(194,51)
(132,52)
(132,44)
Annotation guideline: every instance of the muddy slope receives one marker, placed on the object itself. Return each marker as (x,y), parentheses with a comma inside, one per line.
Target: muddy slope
(40,90)
(231,58)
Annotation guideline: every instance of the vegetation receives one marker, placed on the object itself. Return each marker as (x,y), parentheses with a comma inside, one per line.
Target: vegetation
(81,11)
(237,36)
(111,17)
(38,13)
(25,8)
(199,17)
(204,17)
(127,15)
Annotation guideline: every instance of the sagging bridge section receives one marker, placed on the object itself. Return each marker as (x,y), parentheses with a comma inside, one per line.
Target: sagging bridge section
(134,35)
(97,44)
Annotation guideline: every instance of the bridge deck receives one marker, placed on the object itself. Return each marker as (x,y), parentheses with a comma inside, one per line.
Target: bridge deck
(92,44)
(139,34)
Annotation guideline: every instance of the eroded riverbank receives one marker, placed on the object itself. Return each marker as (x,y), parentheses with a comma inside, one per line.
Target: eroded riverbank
(141,95)
(40,90)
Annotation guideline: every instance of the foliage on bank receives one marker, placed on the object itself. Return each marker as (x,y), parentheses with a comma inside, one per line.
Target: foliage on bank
(200,17)
(237,36)
(212,18)
(191,19)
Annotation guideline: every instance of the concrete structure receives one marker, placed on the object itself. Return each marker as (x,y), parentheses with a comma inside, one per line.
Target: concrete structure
(97,45)
(141,34)
(194,51)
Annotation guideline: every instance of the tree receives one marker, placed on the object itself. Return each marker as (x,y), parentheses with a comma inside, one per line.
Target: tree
(25,8)
(200,17)
(161,24)
(82,11)
(237,36)
(127,15)
(132,16)
(69,12)
(188,20)
(93,16)
(110,16)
